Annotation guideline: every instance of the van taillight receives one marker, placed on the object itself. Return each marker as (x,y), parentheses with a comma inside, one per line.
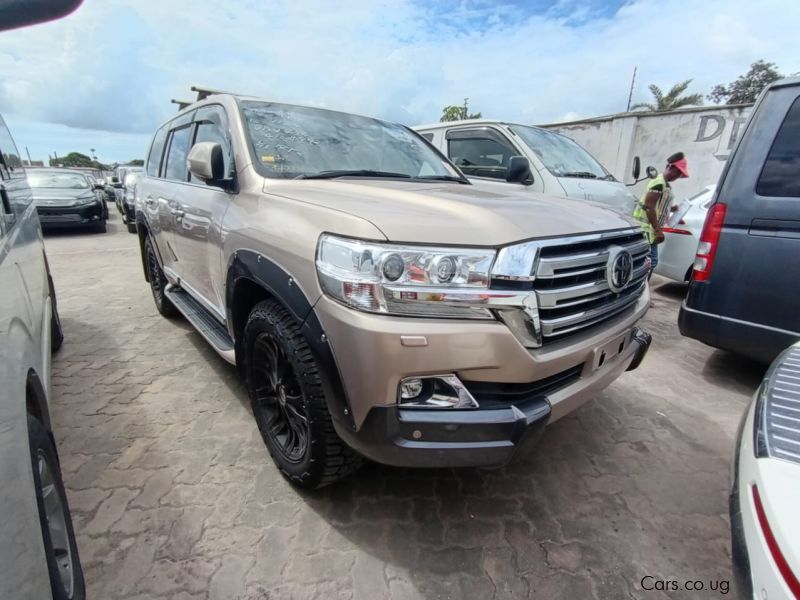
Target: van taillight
(709,241)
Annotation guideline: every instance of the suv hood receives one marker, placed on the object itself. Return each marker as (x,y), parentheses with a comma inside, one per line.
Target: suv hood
(451,213)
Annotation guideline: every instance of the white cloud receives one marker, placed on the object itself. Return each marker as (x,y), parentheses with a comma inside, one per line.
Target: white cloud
(114,65)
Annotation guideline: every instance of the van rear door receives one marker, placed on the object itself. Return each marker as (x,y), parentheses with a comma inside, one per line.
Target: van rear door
(754,282)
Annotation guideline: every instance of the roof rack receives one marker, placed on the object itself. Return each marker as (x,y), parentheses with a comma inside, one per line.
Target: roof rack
(182,103)
(203,93)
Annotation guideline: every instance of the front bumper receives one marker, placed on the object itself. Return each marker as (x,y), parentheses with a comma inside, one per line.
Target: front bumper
(70,216)
(373,353)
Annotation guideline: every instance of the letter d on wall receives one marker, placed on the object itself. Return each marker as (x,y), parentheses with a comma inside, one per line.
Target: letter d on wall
(702,133)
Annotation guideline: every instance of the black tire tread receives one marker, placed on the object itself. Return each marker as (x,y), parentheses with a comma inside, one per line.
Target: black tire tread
(339,460)
(165,307)
(39,439)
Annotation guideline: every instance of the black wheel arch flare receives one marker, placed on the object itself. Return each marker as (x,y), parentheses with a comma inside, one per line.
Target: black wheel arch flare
(257,269)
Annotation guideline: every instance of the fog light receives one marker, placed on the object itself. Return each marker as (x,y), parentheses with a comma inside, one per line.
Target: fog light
(410,388)
(438,391)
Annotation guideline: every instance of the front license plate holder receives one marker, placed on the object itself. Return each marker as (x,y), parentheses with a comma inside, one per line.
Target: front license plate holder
(611,349)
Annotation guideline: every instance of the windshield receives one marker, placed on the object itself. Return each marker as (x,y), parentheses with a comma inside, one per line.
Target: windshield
(295,141)
(72,181)
(561,156)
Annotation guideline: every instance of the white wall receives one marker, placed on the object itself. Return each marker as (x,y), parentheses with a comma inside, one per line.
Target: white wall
(705,134)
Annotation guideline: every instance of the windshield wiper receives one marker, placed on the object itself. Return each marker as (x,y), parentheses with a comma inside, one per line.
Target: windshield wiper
(444,178)
(583,174)
(352,173)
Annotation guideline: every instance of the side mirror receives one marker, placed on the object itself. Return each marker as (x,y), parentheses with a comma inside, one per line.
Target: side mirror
(19,13)
(519,171)
(206,162)
(114,180)
(637,167)
(652,172)
(98,186)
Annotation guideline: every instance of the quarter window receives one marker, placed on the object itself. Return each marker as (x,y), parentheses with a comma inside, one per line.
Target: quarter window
(156,150)
(781,173)
(175,167)
(481,157)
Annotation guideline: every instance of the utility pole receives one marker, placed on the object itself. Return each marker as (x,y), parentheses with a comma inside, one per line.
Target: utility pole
(630,94)
(464,112)
(30,162)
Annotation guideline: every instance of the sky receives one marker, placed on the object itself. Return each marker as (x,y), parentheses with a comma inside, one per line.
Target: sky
(103,77)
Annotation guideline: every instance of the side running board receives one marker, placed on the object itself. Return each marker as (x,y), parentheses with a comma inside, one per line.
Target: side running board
(210,328)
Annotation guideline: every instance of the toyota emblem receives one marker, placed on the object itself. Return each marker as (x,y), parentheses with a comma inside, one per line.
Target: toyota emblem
(619,268)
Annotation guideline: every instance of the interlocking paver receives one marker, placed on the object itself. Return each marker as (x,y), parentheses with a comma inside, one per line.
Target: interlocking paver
(175,497)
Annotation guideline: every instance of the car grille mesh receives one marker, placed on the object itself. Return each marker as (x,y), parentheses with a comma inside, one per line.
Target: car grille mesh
(782,409)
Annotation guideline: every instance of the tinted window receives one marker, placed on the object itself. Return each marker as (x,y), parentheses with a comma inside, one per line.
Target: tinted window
(176,158)
(481,157)
(428,136)
(781,173)
(156,150)
(10,163)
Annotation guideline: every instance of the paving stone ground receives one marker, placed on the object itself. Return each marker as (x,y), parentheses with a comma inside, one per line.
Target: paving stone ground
(174,495)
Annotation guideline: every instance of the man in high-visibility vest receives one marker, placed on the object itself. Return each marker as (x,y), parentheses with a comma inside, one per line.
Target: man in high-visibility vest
(653,207)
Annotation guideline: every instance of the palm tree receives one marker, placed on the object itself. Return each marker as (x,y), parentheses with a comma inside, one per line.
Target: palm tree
(671,100)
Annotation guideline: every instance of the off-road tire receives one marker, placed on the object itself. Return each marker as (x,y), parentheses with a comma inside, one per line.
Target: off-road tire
(56,332)
(158,282)
(100,227)
(41,448)
(327,458)
(131,227)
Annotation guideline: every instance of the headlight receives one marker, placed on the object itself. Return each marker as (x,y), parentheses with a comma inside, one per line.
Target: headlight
(83,200)
(405,280)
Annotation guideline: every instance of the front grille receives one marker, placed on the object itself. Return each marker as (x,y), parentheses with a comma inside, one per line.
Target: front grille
(502,395)
(782,409)
(571,287)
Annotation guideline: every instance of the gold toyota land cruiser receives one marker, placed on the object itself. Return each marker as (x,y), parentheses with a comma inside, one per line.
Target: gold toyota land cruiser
(376,303)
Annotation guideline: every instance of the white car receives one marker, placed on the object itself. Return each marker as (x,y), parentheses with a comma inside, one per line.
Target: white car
(765,522)
(681,236)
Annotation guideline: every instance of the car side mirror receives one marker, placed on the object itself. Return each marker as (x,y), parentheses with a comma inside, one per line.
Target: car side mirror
(98,186)
(206,162)
(637,167)
(519,171)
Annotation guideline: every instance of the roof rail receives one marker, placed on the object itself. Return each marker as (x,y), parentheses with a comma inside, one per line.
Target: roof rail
(182,103)
(203,93)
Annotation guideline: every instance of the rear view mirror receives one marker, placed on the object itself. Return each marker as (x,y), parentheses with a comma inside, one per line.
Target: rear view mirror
(19,13)
(519,171)
(637,167)
(206,162)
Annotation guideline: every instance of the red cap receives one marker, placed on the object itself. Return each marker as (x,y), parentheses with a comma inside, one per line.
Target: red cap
(682,166)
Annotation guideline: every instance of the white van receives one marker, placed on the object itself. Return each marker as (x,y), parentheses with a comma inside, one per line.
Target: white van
(482,149)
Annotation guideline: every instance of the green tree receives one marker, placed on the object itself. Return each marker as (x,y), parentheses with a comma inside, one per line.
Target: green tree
(136,162)
(76,159)
(671,100)
(458,113)
(747,87)
(73,159)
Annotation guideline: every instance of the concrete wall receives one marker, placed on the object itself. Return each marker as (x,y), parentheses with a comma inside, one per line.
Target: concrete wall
(705,134)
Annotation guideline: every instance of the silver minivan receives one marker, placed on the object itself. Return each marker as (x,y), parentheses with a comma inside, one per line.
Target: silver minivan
(483,150)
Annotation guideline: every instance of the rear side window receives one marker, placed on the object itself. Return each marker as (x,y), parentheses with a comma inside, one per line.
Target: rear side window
(781,173)
(156,150)
(175,167)
(481,157)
